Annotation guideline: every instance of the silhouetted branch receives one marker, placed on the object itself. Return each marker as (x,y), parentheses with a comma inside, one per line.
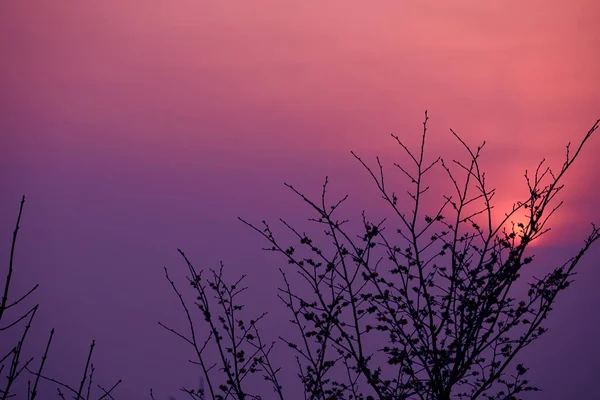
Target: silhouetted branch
(447,305)
(238,344)
(12,360)
(44,357)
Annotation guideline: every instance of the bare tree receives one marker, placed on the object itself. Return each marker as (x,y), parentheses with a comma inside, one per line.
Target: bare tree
(13,364)
(237,343)
(431,309)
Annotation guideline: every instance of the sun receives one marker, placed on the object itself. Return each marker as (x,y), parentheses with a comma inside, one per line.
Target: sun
(517,221)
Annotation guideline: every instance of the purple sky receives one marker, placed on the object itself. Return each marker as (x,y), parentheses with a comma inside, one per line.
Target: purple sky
(137,127)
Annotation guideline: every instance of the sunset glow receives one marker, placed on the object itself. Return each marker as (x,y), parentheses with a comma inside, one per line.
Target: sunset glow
(136,127)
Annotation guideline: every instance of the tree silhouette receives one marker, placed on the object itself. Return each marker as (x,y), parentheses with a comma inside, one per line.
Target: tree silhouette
(240,349)
(13,364)
(435,308)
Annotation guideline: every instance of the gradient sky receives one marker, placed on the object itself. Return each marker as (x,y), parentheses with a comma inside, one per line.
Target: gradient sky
(137,127)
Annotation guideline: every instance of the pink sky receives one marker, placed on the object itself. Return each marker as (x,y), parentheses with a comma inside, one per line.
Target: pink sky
(136,127)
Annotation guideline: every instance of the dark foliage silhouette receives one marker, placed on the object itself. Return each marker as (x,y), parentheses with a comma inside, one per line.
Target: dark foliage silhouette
(433,303)
(240,349)
(432,309)
(436,309)
(15,366)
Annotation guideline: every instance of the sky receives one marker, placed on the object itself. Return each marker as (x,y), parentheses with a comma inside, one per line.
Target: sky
(138,127)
